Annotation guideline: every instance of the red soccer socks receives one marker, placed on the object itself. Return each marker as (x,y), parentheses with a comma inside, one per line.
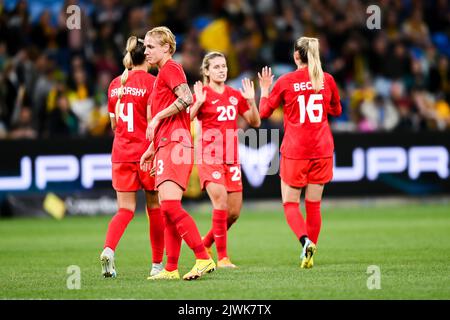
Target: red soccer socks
(313,219)
(117,227)
(294,218)
(156,230)
(219,228)
(185,225)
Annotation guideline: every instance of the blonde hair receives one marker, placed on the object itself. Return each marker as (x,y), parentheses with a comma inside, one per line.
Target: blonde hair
(308,49)
(206,62)
(165,36)
(128,64)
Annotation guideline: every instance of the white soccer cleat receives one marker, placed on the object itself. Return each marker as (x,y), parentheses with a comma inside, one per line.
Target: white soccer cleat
(107,262)
(156,268)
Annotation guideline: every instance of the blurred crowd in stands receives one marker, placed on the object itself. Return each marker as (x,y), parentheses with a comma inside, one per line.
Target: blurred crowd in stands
(54,80)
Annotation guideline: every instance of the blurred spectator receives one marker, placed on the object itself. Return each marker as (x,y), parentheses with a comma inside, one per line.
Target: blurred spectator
(44,34)
(283,44)
(80,97)
(98,121)
(18,26)
(75,40)
(425,105)
(8,94)
(398,62)
(108,12)
(406,121)
(440,78)
(380,113)
(191,55)
(415,28)
(62,121)
(442,108)
(42,87)
(23,129)
(404,64)
(392,26)
(362,123)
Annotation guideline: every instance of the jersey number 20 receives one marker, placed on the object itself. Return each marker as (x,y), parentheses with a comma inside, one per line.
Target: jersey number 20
(129,117)
(226,113)
(313,105)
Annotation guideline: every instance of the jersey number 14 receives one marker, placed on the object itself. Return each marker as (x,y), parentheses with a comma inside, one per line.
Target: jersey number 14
(309,108)
(129,117)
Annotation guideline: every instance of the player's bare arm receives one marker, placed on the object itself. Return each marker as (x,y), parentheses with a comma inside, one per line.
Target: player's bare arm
(149,119)
(149,113)
(183,101)
(147,158)
(248,92)
(113,122)
(265,81)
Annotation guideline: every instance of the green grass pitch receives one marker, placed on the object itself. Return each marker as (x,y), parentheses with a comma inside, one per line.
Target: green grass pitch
(409,243)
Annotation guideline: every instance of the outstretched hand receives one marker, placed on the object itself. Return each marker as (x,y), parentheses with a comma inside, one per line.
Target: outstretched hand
(248,89)
(200,94)
(265,78)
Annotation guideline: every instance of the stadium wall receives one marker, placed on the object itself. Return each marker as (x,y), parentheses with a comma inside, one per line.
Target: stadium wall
(73,176)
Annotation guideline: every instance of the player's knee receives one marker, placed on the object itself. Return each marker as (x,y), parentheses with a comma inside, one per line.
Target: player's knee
(220,201)
(173,210)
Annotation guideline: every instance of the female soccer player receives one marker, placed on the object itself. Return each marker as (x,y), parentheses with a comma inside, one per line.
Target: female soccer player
(173,154)
(216,107)
(128,97)
(308,95)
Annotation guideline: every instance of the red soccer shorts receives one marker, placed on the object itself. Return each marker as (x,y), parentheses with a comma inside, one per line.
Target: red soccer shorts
(174,162)
(128,177)
(299,173)
(228,175)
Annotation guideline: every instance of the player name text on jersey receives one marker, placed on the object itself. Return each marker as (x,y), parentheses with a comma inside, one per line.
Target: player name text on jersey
(303,86)
(129,91)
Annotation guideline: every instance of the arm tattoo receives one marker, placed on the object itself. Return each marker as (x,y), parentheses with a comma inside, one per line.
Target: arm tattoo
(184,95)
(178,104)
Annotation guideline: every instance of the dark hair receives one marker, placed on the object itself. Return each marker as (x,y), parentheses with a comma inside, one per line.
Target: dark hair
(302,51)
(135,50)
(134,56)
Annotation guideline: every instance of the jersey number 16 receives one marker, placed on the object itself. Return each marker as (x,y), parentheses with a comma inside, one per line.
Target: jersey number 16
(309,108)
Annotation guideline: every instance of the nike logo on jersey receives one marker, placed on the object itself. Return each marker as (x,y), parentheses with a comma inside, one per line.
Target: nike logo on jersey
(215,101)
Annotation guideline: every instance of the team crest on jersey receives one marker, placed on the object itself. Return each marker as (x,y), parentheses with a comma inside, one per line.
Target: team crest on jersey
(216,175)
(233,100)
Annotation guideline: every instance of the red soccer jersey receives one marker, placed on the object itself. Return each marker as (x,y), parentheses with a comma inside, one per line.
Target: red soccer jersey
(218,118)
(307,134)
(129,137)
(176,127)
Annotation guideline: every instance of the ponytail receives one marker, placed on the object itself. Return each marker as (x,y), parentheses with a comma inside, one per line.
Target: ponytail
(131,45)
(127,61)
(308,49)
